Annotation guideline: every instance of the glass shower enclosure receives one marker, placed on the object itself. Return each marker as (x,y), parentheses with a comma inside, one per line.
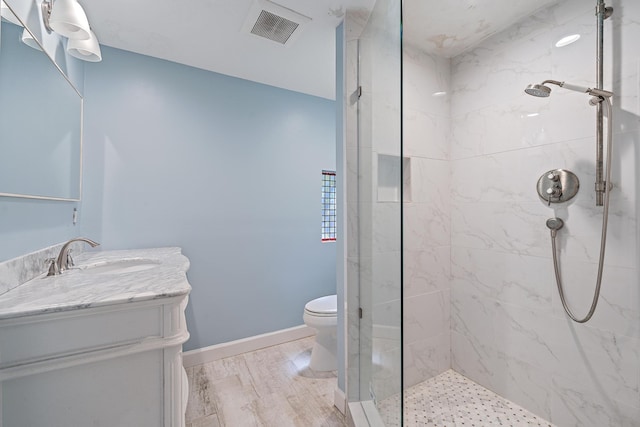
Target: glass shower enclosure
(374,268)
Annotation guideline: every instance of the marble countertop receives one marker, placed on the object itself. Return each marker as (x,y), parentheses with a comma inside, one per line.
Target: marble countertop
(77,289)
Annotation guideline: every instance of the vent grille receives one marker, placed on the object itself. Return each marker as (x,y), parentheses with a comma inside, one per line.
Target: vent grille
(274,27)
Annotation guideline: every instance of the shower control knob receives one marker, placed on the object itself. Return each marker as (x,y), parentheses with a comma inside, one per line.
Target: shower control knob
(557,186)
(554,192)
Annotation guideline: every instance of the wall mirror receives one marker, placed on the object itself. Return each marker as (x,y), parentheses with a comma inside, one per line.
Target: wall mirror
(40,122)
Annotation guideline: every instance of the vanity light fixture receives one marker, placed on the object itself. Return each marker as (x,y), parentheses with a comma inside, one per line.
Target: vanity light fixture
(67,18)
(8,15)
(87,50)
(28,39)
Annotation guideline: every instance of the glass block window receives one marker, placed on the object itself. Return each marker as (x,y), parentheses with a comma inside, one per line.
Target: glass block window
(328,206)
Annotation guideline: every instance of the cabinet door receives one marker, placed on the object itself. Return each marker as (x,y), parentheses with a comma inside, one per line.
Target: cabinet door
(121,392)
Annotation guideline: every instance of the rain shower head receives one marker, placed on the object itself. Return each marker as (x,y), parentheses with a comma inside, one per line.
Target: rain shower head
(543,91)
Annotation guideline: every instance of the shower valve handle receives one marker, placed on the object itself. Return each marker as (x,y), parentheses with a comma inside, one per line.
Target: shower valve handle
(555,191)
(557,186)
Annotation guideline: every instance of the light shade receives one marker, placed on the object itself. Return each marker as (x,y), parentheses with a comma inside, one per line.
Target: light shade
(6,13)
(87,50)
(68,19)
(28,39)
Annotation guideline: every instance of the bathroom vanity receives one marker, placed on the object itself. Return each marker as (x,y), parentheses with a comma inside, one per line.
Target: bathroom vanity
(99,345)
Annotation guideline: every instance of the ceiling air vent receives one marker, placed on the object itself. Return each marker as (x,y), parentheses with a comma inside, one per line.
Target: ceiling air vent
(274,22)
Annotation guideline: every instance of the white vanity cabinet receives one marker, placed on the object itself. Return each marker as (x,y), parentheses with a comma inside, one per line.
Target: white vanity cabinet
(105,359)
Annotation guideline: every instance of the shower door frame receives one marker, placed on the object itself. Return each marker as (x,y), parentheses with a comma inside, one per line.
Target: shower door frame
(374,247)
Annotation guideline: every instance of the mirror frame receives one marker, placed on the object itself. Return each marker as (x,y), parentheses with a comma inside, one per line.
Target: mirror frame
(81,133)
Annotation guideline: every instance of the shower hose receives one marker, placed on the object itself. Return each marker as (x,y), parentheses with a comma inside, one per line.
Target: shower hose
(603,236)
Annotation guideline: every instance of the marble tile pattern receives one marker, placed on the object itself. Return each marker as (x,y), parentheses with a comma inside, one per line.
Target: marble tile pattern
(269,387)
(427,216)
(476,251)
(451,400)
(508,330)
(77,288)
(19,270)
(448,35)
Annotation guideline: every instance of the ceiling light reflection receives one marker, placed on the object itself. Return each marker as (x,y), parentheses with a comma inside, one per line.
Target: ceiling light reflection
(565,41)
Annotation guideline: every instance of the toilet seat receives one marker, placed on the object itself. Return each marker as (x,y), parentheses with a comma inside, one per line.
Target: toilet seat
(322,307)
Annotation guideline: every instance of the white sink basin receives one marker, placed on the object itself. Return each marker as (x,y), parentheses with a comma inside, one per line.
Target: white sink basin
(120,266)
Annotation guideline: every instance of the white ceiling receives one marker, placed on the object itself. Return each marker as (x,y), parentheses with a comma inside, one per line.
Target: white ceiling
(207,34)
(449,27)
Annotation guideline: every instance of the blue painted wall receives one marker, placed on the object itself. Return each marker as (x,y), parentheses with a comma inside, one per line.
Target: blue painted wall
(227,169)
(42,159)
(27,225)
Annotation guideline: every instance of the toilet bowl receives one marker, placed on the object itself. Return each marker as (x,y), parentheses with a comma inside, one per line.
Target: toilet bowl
(321,314)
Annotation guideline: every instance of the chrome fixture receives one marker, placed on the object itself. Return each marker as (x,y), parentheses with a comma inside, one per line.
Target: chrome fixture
(68,19)
(550,187)
(65,17)
(558,186)
(554,224)
(62,263)
(542,91)
(602,13)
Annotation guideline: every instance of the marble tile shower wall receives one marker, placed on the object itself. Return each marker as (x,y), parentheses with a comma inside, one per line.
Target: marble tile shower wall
(427,216)
(508,330)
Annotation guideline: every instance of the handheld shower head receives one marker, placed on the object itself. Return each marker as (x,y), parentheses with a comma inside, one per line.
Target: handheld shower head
(541,91)
(601,93)
(554,224)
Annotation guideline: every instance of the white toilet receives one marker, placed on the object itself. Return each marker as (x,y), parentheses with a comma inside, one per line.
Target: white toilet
(322,315)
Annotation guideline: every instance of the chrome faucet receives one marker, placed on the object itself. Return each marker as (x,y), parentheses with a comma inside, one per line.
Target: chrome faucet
(63,261)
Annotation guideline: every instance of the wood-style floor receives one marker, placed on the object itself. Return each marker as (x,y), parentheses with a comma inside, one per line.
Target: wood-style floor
(272,387)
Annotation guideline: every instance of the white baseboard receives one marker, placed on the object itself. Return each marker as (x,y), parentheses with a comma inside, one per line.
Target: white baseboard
(234,348)
(339,400)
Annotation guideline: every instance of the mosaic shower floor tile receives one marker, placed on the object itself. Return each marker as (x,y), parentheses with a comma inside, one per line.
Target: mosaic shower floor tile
(452,400)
